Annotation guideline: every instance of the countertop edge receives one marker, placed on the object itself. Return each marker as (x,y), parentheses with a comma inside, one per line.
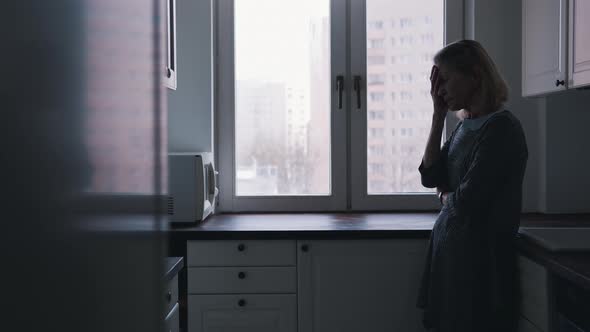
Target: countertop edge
(550,261)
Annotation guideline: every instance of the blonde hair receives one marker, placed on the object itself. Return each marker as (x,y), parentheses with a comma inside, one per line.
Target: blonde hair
(470,58)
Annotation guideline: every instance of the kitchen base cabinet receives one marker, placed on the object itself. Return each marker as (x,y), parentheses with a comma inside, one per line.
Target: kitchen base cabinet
(242,313)
(359,285)
(537,303)
(525,326)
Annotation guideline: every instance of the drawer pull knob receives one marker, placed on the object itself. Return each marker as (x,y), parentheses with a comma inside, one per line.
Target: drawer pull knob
(168,297)
(242,275)
(305,248)
(241,247)
(242,302)
(558,82)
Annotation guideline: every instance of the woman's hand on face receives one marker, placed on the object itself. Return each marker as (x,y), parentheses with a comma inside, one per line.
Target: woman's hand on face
(440,106)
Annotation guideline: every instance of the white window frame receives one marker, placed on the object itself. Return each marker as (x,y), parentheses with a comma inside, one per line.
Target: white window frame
(348,125)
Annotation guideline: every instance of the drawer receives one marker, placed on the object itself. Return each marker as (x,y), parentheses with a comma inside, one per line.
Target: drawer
(243,280)
(242,312)
(535,293)
(241,253)
(172,321)
(171,294)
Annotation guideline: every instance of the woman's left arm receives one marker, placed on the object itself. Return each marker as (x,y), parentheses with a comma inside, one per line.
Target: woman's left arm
(494,157)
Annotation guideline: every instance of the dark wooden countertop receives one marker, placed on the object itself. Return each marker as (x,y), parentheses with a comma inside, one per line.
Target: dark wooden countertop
(574,267)
(308,226)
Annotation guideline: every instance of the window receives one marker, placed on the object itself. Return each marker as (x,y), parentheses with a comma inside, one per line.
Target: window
(376,79)
(406,77)
(376,150)
(376,132)
(376,96)
(406,40)
(376,60)
(375,25)
(427,38)
(406,96)
(376,115)
(375,43)
(405,22)
(288,144)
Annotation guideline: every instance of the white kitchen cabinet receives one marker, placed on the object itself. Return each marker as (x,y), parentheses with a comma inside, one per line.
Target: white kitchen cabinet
(524,325)
(359,285)
(579,43)
(242,313)
(536,305)
(544,47)
(242,286)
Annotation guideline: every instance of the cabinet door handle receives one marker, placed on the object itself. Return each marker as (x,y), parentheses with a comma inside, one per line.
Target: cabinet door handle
(305,248)
(168,297)
(241,247)
(242,302)
(558,82)
(357,89)
(242,275)
(340,89)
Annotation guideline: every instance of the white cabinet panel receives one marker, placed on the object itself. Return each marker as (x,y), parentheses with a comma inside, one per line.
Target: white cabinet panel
(223,280)
(579,43)
(241,253)
(242,313)
(535,297)
(543,46)
(525,326)
(359,285)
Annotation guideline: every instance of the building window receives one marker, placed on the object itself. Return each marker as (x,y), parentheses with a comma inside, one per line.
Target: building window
(376,115)
(376,79)
(375,60)
(375,25)
(375,43)
(376,96)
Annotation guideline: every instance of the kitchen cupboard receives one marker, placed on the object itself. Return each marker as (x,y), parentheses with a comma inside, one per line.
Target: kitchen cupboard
(305,286)
(555,51)
(579,43)
(543,46)
(245,286)
(359,285)
(536,305)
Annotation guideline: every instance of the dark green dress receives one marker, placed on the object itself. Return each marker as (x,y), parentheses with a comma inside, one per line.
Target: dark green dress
(470,277)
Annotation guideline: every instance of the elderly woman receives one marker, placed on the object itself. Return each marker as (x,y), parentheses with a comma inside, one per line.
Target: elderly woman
(470,278)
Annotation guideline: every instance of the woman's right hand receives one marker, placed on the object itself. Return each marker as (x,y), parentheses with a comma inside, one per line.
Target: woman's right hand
(440,106)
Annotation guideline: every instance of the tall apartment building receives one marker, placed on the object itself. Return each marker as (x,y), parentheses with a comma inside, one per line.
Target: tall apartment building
(399,106)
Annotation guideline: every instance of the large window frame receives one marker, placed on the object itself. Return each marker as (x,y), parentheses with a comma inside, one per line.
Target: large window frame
(348,126)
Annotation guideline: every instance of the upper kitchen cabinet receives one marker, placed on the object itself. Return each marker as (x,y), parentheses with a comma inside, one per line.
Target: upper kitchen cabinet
(579,43)
(544,46)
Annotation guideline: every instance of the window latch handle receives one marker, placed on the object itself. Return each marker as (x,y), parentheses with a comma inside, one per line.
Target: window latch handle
(340,89)
(357,89)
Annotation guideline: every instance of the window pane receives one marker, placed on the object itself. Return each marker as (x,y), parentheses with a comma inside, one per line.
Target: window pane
(282,66)
(396,138)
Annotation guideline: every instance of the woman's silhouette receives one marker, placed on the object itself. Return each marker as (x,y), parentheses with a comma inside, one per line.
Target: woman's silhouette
(470,278)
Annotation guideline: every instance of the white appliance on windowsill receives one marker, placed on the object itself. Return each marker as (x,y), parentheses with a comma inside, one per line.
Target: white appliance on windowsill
(192,186)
